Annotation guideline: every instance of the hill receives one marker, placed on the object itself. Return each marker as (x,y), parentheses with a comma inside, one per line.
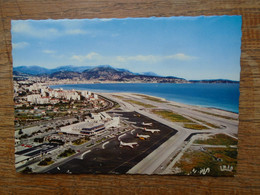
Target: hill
(104,73)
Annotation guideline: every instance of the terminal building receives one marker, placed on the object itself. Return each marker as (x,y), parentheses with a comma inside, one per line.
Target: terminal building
(93,130)
(94,126)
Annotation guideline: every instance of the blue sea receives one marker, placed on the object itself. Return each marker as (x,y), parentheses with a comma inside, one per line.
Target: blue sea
(221,96)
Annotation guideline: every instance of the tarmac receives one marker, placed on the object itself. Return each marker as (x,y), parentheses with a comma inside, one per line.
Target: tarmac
(115,159)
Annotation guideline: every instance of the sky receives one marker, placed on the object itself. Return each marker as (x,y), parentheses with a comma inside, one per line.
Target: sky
(204,47)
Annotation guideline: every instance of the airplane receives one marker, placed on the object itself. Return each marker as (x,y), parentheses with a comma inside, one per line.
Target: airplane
(152,130)
(142,136)
(131,145)
(147,124)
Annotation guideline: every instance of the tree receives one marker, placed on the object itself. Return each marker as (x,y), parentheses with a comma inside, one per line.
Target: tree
(20,132)
(27,170)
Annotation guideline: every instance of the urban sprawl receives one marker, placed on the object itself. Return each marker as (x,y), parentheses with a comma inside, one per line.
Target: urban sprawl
(78,131)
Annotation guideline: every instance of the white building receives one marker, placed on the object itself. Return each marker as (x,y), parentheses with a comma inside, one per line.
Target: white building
(85,94)
(84,128)
(95,96)
(43,100)
(33,98)
(94,126)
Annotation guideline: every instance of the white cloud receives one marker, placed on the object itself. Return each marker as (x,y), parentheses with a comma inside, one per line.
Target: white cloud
(49,51)
(155,58)
(89,56)
(180,56)
(76,32)
(20,27)
(93,56)
(20,45)
(27,29)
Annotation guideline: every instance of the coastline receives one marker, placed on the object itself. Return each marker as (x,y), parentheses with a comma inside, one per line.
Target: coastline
(169,100)
(183,105)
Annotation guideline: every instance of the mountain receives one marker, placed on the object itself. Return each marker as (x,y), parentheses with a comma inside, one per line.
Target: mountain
(38,70)
(105,73)
(214,81)
(149,74)
(65,75)
(31,70)
(70,68)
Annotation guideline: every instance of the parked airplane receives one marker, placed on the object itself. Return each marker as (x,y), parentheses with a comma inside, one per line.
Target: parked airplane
(142,136)
(152,130)
(131,145)
(147,124)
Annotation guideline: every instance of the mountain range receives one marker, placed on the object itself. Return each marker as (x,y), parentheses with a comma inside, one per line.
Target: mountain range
(103,73)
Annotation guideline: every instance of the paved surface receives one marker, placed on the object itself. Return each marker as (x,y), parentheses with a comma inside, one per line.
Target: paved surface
(153,154)
(116,159)
(157,161)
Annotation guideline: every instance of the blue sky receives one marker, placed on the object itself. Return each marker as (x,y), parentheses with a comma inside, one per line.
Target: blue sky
(188,47)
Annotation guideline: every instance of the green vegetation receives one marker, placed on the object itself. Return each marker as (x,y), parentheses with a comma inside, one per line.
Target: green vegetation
(24,136)
(140,103)
(207,123)
(67,153)
(40,140)
(80,141)
(211,125)
(171,116)
(192,162)
(46,161)
(101,140)
(217,115)
(151,98)
(119,97)
(219,139)
(27,170)
(195,126)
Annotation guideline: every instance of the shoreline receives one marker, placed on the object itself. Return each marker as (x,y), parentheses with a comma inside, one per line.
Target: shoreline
(133,93)
(118,82)
(174,103)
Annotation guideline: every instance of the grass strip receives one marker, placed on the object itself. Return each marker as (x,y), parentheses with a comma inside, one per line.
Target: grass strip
(140,103)
(151,98)
(195,126)
(207,123)
(217,115)
(172,116)
(218,139)
(119,97)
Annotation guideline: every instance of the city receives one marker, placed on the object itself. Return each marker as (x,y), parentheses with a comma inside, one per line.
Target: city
(78,131)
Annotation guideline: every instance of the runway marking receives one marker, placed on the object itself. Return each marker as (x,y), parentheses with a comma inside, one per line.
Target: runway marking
(121,136)
(82,155)
(103,146)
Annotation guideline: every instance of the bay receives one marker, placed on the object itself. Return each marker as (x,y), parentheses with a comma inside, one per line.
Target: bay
(222,95)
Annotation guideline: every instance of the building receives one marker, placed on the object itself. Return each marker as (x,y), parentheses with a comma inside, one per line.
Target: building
(86,127)
(33,98)
(95,129)
(94,126)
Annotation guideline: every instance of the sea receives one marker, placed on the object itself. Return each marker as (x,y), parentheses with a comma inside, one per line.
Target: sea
(223,96)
